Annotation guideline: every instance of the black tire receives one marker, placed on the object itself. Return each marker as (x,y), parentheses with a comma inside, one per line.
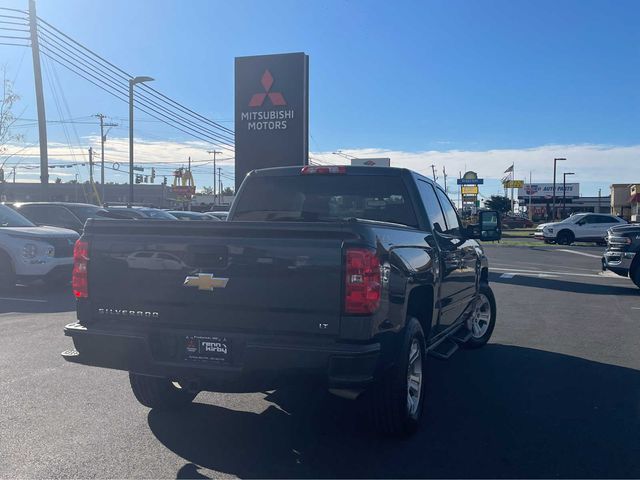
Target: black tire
(160,393)
(549,242)
(389,404)
(635,274)
(481,337)
(7,275)
(565,237)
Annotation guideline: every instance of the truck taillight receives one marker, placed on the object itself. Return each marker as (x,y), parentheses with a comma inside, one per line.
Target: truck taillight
(79,278)
(362,283)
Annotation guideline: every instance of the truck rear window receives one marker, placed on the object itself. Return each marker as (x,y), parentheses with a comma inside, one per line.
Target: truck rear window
(322,198)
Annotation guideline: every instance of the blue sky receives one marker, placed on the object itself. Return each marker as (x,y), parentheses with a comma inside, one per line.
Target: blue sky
(402,77)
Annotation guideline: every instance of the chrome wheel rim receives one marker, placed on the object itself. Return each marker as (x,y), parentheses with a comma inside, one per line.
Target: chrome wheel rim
(481,317)
(414,378)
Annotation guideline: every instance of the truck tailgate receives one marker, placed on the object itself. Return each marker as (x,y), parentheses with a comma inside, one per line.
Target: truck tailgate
(280,277)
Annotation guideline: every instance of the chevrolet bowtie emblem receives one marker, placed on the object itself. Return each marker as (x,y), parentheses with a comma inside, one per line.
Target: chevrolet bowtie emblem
(205,281)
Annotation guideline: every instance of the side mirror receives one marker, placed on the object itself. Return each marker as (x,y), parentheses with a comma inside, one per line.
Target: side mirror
(489,225)
(488,228)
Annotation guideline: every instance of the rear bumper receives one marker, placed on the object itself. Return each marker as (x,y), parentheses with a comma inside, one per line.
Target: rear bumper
(256,362)
(618,262)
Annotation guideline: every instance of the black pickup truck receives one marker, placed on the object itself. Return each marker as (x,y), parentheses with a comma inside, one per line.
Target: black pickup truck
(348,276)
(622,255)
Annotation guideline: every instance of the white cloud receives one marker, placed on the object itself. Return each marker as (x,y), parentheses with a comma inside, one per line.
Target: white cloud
(591,163)
(604,164)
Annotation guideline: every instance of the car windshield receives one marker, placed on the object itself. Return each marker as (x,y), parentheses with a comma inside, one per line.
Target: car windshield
(11,218)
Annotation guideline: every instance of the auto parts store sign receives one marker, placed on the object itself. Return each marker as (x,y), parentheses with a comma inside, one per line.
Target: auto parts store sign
(271,112)
(545,190)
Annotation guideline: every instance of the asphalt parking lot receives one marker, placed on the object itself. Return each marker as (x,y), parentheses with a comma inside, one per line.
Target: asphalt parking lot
(555,394)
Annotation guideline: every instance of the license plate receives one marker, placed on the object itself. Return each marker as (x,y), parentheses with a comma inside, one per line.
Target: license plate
(207,349)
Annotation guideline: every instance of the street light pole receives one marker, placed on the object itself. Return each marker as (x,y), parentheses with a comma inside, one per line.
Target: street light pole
(214,174)
(132,83)
(564,192)
(553,208)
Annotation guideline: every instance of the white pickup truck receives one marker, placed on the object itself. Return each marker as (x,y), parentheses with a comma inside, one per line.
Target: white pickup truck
(581,227)
(29,253)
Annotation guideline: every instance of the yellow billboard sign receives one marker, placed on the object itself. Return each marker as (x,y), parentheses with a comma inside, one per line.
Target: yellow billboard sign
(514,184)
(469,190)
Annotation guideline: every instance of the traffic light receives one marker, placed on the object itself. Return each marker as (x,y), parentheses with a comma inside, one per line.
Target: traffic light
(146,179)
(138,178)
(153,175)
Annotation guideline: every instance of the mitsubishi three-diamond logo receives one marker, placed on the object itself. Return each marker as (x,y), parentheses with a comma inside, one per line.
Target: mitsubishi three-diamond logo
(276,98)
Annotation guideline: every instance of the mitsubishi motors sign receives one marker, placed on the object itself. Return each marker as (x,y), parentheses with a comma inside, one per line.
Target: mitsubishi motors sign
(271,112)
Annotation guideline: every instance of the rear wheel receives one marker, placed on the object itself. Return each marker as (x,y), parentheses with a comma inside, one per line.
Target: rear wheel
(397,400)
(160,393)
(565,237)
(7,275)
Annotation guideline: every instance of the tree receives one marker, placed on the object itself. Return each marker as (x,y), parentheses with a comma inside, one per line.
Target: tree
(228,191)
(499,203)
(7,118)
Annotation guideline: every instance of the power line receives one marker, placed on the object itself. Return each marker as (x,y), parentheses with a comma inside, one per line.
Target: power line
(73,57)
(51,29)
(107,88)
(121,89)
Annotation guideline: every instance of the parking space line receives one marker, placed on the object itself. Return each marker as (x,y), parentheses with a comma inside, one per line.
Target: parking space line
(507,275)
(34,300)
(579,253)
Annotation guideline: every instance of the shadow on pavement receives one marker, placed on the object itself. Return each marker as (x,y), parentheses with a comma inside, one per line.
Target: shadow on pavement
(502,411)
(564,285)
(37,299)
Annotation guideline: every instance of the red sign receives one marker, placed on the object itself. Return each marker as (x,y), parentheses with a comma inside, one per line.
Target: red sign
(276,97)
(184,190)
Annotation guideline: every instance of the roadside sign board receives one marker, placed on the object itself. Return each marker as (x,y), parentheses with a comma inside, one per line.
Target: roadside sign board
(514,184)
(271,112)
(371,162)
(470,178)
(469,189)
(545,190)
(184,190)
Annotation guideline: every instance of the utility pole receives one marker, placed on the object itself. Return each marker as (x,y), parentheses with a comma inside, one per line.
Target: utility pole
(599,198)
(103,138)
(14,174)
(530,189)
(91,165)
(444,174)
(433,170)
(214,173)
(220,183)
(42,118)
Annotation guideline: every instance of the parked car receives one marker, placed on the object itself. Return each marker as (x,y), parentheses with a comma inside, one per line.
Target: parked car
(137,213)
(58,214)
(219,215)
(29,253)
(347,275)
(185,215)
(582,227)
(516,221)
(622,255)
